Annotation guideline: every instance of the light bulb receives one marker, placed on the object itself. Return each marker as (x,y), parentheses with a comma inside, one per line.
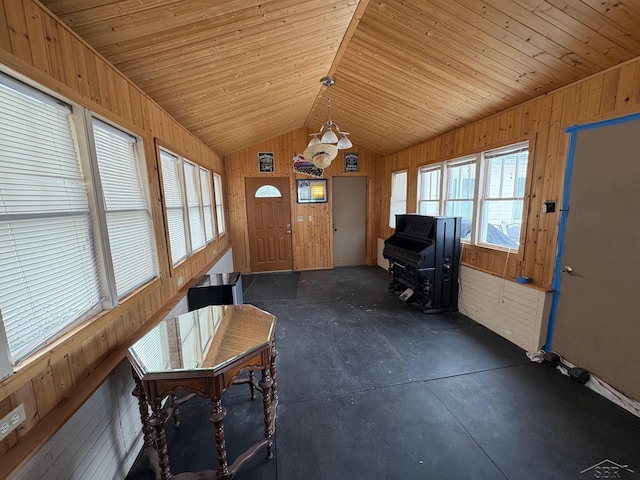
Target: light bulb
(344,142)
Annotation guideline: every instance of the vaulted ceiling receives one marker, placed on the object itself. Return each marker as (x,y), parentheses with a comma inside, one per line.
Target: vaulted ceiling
(236,72)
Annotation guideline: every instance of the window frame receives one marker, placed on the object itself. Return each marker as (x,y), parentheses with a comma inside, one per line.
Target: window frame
(460,162)
(90,119)
(482,195)
(180,162)
(480,161)
(398,200)
(81,130)
(208,181)
(218,200)
(427,169)
(195,191)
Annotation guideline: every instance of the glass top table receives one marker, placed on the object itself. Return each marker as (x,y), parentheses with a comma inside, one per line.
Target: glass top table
(203,352)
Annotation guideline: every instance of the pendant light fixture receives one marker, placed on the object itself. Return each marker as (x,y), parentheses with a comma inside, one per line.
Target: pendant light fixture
(323,146)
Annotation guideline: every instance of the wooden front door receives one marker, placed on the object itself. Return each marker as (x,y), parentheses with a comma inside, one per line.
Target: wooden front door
(269,217)
(597,325)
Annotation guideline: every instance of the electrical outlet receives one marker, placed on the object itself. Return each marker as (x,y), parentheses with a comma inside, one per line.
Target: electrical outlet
(11,421)
(180,281)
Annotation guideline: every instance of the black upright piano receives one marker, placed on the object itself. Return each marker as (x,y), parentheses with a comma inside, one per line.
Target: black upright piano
(424,260)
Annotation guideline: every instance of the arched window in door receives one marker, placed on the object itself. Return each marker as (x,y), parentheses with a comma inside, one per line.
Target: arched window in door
(268,191)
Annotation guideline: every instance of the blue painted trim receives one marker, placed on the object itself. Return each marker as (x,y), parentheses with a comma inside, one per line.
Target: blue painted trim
(603,123)
(564,213)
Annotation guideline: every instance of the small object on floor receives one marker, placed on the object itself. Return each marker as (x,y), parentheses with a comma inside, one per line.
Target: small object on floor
(551,358)
(580,375)
(406,295)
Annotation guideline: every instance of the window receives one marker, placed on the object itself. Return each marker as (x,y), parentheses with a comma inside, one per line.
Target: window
(217,186)
(491,204)
(174,205)
(128,216)
(187,199)
(268,191)
(502,201)
(398,196)
(207,207)
(459,200)
(194,204)
(57,267)
(429,190)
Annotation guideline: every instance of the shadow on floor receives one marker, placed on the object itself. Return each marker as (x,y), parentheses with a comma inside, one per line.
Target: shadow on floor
(371,388)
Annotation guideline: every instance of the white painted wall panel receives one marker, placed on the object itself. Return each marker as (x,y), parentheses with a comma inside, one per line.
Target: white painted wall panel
(515,311)
(102,439)
(224,265)
(382,262)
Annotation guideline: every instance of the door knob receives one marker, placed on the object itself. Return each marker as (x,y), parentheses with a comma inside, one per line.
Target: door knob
(289,231)
(568,269)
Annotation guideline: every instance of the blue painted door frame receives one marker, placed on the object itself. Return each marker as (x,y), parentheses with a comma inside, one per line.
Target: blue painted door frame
(564,213)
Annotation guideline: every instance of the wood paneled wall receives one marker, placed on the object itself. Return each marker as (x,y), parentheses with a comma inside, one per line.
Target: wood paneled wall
(612,93)
(53,383)
(312,241)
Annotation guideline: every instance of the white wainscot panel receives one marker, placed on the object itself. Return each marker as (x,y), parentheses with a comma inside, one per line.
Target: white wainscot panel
(515,311)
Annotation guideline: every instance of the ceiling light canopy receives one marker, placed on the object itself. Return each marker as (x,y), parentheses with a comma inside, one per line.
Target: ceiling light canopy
(323,146)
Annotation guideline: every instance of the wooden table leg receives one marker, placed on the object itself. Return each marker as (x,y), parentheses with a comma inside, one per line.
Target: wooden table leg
(265,385)
(272,369)
(252,384)
(157,420)
(218,413)
(143,406)
(147,430)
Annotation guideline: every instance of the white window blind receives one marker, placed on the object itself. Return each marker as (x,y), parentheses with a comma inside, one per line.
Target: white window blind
(129,223)
(207,206)
(174,205)
(48,268)
(217,186)
(194,204)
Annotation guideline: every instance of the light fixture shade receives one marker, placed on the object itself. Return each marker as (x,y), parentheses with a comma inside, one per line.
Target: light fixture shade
(314,141)
(329,137)
(344,142)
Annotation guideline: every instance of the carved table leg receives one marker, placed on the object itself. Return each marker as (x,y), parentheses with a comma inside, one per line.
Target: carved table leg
(265,385)
(143,406)
(218,413)
(147,430)
(157,422)
(251,384)
(272,369)
(173,402)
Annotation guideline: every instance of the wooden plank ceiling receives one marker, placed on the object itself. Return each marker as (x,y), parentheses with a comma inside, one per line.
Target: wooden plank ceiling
(236,72)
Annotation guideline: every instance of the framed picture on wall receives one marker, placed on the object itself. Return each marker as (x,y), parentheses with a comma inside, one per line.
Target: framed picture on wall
(351,160)
(312,191)
(266,162)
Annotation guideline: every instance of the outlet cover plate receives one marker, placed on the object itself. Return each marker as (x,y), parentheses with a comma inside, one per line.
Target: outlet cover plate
(12,420)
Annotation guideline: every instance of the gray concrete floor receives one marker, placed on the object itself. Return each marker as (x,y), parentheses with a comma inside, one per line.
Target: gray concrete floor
(371,388)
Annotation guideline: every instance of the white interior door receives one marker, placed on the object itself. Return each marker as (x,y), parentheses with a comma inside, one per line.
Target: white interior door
(349,200)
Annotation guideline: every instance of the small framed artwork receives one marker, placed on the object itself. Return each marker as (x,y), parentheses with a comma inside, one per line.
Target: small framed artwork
(351,161)
(312,191)
(266,162)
